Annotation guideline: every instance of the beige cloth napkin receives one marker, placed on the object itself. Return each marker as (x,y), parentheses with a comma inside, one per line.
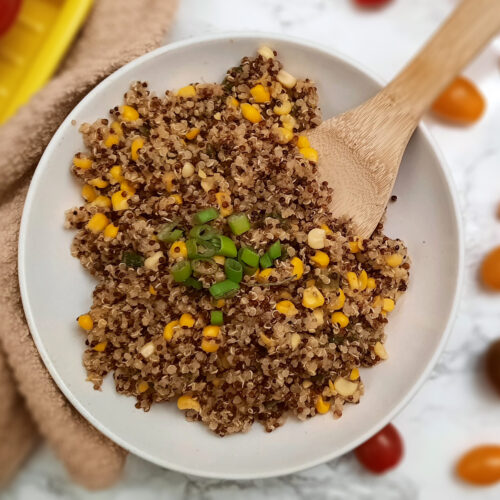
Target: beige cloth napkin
(31,406)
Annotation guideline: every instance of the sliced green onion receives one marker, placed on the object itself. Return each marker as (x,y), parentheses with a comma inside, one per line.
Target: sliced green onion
(249,270)
(217,318)
(233,270)
(275,250)
(181,271)
(193,283)
(223,289)
(193,248)
(203,232)
(132,259)
(205,216)
(248,256)
(168,233)
(238,223)
(224,246)
(265,261)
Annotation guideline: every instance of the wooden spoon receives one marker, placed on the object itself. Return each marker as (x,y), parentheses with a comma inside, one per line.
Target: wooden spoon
(360,150)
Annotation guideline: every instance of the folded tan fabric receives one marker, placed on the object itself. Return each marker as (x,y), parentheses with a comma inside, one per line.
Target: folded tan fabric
(32,406)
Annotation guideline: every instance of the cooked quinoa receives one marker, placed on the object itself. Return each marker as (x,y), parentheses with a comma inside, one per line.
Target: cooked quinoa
(295,331)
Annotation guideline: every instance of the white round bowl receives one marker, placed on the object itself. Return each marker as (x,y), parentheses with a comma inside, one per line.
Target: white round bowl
(55,289)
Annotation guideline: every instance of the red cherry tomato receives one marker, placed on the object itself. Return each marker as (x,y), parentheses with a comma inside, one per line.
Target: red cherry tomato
(381,452)
(461,102)
(371,3)
(8,13)
(480,465)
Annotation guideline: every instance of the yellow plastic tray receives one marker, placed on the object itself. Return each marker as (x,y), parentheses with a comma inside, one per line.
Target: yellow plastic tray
(33,47)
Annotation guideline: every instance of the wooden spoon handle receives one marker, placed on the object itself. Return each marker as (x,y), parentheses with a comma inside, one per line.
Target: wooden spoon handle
(469,29)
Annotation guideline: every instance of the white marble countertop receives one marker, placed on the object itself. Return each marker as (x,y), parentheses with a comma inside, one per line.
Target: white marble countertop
(455,409)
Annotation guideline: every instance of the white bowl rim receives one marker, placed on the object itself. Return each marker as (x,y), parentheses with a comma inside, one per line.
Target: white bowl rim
(37,338)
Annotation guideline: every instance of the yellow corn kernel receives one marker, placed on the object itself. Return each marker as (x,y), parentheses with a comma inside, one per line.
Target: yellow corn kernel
(326,229)
(345,387)
(303,142)
(186,402)
(309,154)
(147,350)
(321,259)
(266,340)
(224,202)
(110,231)
(319,317)
(266,52)
(220,303)
(219,259)
(177,198)
(295,340)
(289,122)
(286,79)
(312,298)
(339,301)
(287,308)
(263,275)
(371,284)
(283,109)
(298,268)
(168,179)
(339,318)
(394,260)
(100,347)
(322,406)
(283,135)
(127,187)
(115,174)
(233,102)
(354,246)
(97,223)
(354,375)
(169,330)
(192,134)
(99,182)
(111,140)
(285,295)
(316,238)
(211,331)
(129,114)
(331,386)
(209,346)
(387,305)
(377,301)
(178,250)
(142,387)
(83,163)
(352,279)
(137,144)
(89,193)
(102,202)
(251,113)
(152,290)
(380,351)
(85,322)
(187,91)
(186,320)
(260,94)
(117,128)
(362,280)
(119,201)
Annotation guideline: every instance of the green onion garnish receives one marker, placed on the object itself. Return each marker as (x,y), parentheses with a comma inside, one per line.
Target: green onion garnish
(233,270)
(216,318)
(266,261)
(223,289)
(205,216)
(249,270)
(194,246)
(224,246)
(238,223)
(248,256)
(193,283)
(181,271)
(132,259)
(275,250)
(168,233)
(203,232)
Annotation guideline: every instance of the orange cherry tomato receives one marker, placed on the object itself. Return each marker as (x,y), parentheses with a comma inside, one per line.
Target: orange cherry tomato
(480,465)
(490,270)
(461,102)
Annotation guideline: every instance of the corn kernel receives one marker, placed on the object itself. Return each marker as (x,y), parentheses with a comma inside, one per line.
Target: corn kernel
(394,260)
(326,229)
(100,347)
(110,231)
(219,259)
(168,179)
(295,340)
(186,402)
(169,330)
(298,268)
(233,102)
(129,114)
(85,322)
(152,290)
(312,298)
(354,247)
(137,144)
(263,275)
(97,223)
(322,406)
(99,182)
(147,350)
(142,387)
(377,301)
(187,91)
(187,320)
(321,259)
(111,140)
(354,375)
(115,173)
(345,387)
(187,170)
(285,295)
(287,308)
(266,52)
(331,386)
(209,346)
(283,135)
(310,282)
(251,113)
(352,279)
(178,250)
(260,94)
(82,163)
(319,317)
(266,340)
(283,108)
(220,303)
(192,134)
(211,331)
(339,301)
(380,351)
(339,318)
(303,142)
(224,202)
(117,128)
(316,238)
(119,201)
(102,202)
(371,284)
(309,154)
(387,305)
(89,193)
(289,122)
(153,261)
(286,79)
(362,280)
(177,198)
